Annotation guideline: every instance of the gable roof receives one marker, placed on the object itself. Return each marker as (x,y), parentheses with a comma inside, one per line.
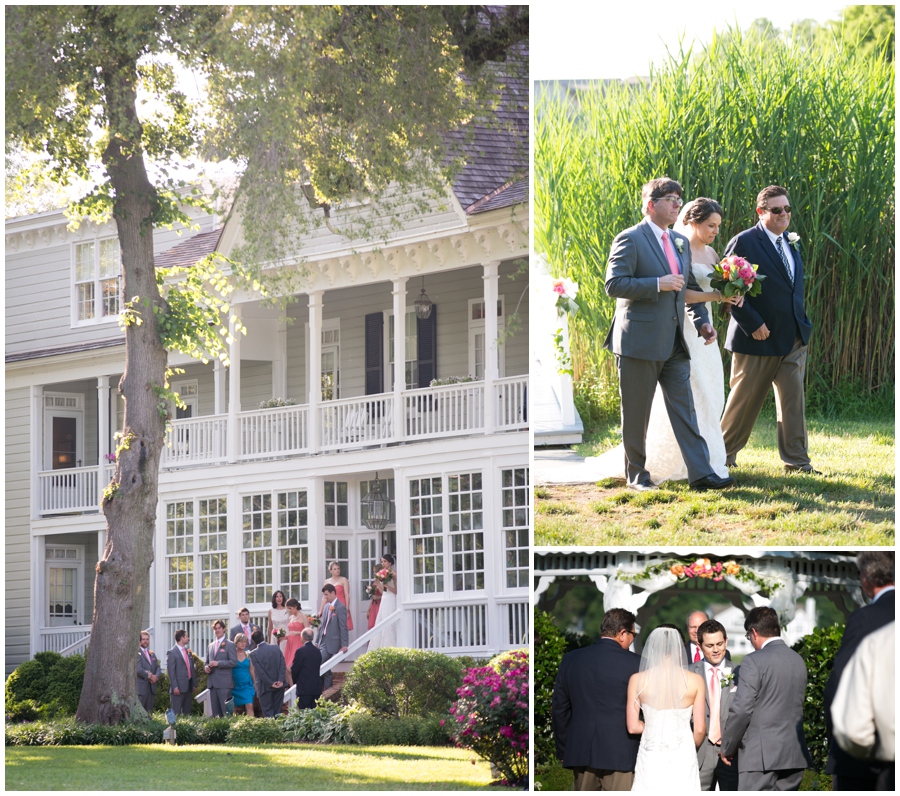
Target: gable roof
(189,251)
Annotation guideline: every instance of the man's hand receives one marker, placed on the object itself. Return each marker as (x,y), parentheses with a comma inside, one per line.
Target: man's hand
(725,760)
(152,678)
(176,691)
(708,333)
(343,649)
(277,684)
(671,282)
(762,333)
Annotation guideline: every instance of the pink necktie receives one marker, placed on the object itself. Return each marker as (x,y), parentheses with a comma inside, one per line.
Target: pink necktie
(715,731)
(186,661)
(697,655)
(147,656)
(670,254)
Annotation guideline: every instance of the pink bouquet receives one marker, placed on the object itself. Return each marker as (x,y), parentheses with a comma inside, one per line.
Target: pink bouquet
(735,276)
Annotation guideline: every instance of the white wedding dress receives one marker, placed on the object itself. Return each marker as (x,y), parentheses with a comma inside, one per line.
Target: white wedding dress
(664,461)
(388,635)
(667,757)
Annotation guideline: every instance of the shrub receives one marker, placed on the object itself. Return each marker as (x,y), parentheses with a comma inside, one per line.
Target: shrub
(818,650)
(26,710)
(549,648)
(248,731)
(66,678)
(511,659)
(403,682)
(327,722)
(31,679)
(491,717)
(372,730)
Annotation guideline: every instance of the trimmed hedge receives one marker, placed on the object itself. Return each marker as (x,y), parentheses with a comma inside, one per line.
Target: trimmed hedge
(370,730)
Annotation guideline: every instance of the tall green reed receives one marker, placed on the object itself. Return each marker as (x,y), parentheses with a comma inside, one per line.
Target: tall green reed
(725,122)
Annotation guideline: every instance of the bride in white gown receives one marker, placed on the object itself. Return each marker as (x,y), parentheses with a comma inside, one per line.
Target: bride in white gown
(699,221)
(669,696)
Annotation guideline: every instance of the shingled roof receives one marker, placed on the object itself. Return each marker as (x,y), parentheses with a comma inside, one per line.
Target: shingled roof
(189,251)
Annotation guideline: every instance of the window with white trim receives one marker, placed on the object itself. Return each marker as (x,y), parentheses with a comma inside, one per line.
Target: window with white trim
(426,521)
(331,359)
(337,505)
(515,520)
(196,544)
(411,356)
(293,543)
(466,517)
(477,338)
(98,280)
(257,546)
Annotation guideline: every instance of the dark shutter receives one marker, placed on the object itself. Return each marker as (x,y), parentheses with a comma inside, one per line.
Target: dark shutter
(426,331)
(374,353)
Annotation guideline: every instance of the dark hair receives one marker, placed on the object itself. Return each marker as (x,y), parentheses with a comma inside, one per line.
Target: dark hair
(769,192)
(764,621)
(657,189)
(616,620)
(292,603)
(698,210)
(219,623)
(877,567)
(245,608)
(278,591)
(329,587)
(257,636)
(673,627)
(388,557)
(180,634)
(711,626)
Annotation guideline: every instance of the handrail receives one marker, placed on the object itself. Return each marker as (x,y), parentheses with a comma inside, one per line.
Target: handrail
(334,660)
(76,646)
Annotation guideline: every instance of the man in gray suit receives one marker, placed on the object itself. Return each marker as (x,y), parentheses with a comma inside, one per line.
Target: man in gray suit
(721,682)
(221,658)
(269,669)
(147,673)
(648,270)
(182,676)
(765,721)
(333,636)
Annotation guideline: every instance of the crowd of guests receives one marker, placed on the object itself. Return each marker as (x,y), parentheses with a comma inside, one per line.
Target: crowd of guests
(254,668)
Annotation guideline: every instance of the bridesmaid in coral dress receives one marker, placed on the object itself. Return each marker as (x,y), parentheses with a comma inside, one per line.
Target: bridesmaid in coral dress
(342,587)
(296,622)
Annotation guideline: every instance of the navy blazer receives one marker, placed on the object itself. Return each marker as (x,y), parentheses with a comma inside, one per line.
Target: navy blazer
(589,701)
(860,624)
(779,306)
(305,670)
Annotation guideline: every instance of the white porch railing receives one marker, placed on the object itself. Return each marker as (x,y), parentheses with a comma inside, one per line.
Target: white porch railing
(517,628)
(65,640)
(75,489)
(444,411)
(450,628)
(511,403)
(363,639)
(356,422)
(273,432)
(196,440)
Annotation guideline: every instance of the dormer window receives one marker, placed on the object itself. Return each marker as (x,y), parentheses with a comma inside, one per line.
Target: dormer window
(98,280)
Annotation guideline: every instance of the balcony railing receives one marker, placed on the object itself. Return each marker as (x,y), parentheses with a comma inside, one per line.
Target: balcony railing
(445,411)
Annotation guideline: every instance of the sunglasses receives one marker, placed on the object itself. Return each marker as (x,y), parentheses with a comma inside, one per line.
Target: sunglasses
(777,211)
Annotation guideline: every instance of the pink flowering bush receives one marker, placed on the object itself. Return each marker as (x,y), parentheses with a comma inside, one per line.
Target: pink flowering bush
(491,715)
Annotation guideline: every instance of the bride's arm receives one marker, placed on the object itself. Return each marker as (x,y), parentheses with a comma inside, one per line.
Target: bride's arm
(632,708)
(697,296)
(699,711)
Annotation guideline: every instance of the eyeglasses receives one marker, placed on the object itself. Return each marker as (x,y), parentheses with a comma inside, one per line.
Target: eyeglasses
(748,634)
(777,211)
(675,200)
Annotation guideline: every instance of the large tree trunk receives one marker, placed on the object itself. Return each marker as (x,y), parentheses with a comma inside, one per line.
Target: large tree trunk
(109,695)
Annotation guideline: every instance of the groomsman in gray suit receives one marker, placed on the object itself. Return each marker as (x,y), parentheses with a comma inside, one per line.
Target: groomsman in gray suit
(648,271)
(765,721)
(333,637)
(221,658)
(182,676)
(721,684)
(269,668)
(147,673)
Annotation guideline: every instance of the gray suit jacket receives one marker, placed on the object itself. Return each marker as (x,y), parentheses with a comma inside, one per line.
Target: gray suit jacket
(225,654)
(239,628)
(330,642)
(268,666)
(179,676)
(765,721)
(647,320)
(706,754)
(143,684)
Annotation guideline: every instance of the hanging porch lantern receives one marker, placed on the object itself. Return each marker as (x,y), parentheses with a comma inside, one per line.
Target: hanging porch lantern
(378,506)
(423,304)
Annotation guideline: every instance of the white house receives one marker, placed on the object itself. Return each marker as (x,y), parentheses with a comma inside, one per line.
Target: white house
(253,500)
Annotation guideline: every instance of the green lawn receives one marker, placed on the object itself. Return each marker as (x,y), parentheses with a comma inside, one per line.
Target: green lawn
(282,768)
(852,503)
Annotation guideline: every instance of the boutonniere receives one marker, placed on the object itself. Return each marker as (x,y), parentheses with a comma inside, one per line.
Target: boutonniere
(151,653)
(794,240)
(333,609)
(726,677)
(679,244)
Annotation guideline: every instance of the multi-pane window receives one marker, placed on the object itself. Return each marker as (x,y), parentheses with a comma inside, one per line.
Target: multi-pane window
(466,518)
(369,559)
(213,544)
(276,542)
(196,541)
(427,529)
(98,274)
(478,341)
(331,362)
(337,506)
(411,351)
(515,520)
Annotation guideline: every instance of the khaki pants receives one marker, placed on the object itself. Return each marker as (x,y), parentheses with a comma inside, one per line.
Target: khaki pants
(602,779)
(751,377)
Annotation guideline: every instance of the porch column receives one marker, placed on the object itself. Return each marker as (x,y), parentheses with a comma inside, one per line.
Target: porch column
(314,368)
(399,294)
(405,636)
(37,447)
(234,390)
(219,407)
(315,507)
(103,436)
(279,363)
(491,372)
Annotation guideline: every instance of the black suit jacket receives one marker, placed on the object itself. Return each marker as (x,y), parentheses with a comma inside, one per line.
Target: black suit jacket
(860,623)
(779,306)
(589,701)
(305,669)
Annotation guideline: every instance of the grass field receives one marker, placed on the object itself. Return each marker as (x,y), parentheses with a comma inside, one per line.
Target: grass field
(272,768)
(852,503)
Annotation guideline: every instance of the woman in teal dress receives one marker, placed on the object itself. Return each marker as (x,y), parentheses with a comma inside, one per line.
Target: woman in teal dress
(242,693)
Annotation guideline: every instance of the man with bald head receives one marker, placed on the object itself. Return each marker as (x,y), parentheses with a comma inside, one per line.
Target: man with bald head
(692,648)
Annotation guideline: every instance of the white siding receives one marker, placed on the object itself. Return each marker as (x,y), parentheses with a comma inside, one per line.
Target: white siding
(256,384)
